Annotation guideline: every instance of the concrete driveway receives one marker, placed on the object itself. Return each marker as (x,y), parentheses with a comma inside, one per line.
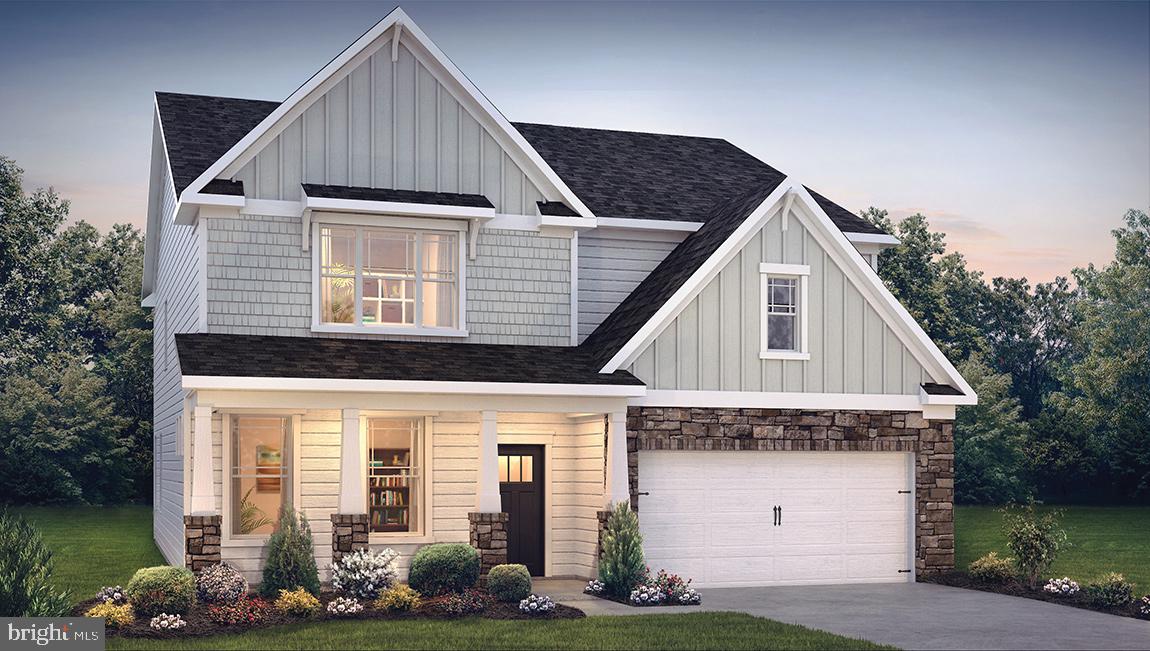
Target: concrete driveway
(909,616)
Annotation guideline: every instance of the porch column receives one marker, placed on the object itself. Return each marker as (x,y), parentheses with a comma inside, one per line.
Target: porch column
(202,528)
(203,487)
(488,524)
(618,485)
(487,498)
(349,525)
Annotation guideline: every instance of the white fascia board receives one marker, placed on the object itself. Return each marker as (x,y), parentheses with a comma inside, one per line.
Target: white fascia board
(397,208)
(776,400)
(930,399)
(201,199)
(867,280)
(322,81)
(649,224)
(872,238)
(699,279)
(235,383)
(577,223)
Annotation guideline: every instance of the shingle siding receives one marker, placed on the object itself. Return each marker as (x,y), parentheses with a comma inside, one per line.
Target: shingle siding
(259,283)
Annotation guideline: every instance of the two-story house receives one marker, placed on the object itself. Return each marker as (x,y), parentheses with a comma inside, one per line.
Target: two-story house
(415,321)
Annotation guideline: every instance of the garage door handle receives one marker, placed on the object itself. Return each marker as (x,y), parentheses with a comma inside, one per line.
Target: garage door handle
(904,492)
(775,512)
(780,516)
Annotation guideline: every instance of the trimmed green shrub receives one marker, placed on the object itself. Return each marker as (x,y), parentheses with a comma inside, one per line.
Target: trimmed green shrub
(26,572)
(162,589)
(509,582)
(992,569)
(1034,538)
(442,568)
(621,564)
(1111,591)
(291,557)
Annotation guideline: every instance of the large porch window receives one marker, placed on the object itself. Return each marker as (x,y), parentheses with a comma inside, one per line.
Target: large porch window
(260,472)
(394,474)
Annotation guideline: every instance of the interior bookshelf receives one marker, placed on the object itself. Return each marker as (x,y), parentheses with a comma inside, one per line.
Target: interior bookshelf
(389,490)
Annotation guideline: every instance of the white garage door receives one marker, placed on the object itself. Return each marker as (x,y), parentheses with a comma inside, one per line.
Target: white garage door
(710,516)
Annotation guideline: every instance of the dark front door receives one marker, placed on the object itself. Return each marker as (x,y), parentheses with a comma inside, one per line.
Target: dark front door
(521,487)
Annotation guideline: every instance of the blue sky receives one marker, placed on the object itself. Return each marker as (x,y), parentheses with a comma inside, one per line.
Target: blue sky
(1022,130)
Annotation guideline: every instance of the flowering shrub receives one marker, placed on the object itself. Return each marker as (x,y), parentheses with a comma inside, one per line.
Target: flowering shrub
(595,587)
(676,589)
(115,615)
(364,573)
(112,595)
(166,622)
(1113,591)
(343,606)
(398,598)
(992,569)
(245,611)
(1145,607)
(220,584)
(647,595)
(468,602)
(298,603)
(537,605)
(1063,586)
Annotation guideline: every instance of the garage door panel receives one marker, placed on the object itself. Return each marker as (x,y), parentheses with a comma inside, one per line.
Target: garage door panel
(713,518)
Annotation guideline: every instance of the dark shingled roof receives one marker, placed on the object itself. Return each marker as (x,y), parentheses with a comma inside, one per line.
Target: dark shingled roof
(933,389)
(555,209)
(642,303)
(362,359)
(225,187)
(399,196)
(198,129)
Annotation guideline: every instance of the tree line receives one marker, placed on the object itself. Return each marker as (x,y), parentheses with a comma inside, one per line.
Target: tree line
(1062,368)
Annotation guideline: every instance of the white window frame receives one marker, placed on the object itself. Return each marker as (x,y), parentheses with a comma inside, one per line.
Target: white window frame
(295,420)
(801,273)
(425,534)
(413,224)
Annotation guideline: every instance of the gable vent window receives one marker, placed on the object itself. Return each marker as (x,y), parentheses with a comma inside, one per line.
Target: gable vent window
(783,302)
(389,279)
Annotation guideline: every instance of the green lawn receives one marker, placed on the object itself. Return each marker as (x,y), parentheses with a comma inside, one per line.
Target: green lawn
(94,547)
(688,631)
(1103,538)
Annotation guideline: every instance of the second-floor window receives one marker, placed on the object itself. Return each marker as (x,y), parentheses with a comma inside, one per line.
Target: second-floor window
(389,277)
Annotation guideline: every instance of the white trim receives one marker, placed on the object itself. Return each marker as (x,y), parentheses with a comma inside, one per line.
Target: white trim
(911,516)
(272,208)
(352,491)
(202,274)
(617,487)
(938,412)
(547,440)
(872,238)
(698,280)
(566,222)
(776,400)
(931,399)
(426,533)
(201,199)
(800,272)
(649,224)
(244,383)
(272,125)
(487,497)
(397,208)
(574,285)
(390,221)
(203,500)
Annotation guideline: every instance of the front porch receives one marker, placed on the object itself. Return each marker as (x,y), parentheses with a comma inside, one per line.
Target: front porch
(403,470)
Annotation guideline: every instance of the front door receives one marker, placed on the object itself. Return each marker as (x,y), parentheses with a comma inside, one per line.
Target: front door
(521,490)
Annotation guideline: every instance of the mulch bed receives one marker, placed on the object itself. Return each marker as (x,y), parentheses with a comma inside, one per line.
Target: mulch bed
(199,624)
(627,602)
(1017,589)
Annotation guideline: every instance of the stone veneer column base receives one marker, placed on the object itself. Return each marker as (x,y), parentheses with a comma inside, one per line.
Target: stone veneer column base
(348,534)
(201,541)
(489,536)
(602,517)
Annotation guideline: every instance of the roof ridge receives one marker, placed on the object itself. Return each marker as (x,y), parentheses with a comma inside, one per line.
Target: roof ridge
(626,131)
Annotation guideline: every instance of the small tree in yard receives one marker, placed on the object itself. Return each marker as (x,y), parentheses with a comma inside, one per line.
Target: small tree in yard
(1034,538)
(291,557)
(621,564)
(26,572)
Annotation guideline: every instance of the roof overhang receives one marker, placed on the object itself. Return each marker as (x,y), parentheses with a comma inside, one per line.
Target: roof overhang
(396,208)
(217,382)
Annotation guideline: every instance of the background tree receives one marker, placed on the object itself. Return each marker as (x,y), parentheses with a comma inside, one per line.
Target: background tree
(990,466)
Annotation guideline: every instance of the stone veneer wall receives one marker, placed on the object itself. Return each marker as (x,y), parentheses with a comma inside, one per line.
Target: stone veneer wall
(348,534)
(201,541)
(489,537)
(932,441)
